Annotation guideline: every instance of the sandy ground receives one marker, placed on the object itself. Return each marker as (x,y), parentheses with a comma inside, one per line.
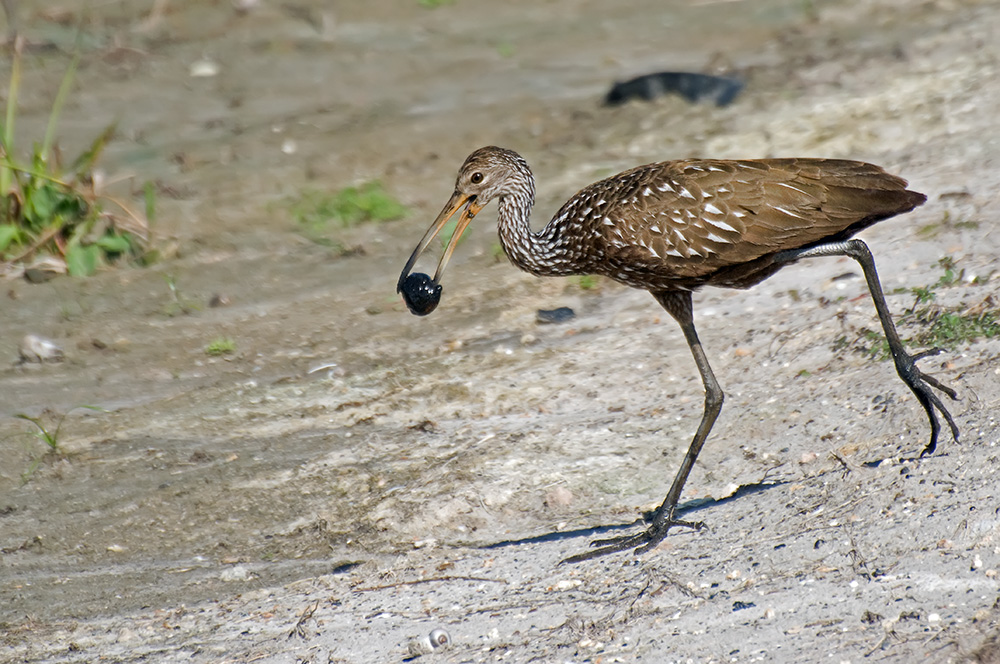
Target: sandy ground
(353,477)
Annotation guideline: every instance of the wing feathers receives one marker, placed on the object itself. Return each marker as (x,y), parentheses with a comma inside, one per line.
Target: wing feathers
(686,220)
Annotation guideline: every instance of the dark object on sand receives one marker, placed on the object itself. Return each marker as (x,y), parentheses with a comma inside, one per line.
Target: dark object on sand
(552,316)
(693,87)
(675,226)
(421,293)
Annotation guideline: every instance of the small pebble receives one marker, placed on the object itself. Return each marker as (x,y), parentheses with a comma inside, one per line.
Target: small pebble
(45,268)
(568,584)
(557,497)
(552,316)
(204,68)
(39,349)
(126,636)
(870,618)
(235,573)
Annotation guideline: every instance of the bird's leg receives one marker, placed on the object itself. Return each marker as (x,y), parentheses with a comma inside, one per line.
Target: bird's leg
(678,303)
(918,382)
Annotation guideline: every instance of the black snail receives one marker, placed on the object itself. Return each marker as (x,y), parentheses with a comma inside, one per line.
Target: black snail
(421,293)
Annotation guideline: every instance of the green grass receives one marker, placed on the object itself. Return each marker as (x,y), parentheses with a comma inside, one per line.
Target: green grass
(45,432)
(220,346)
(505,49)
(51,209)
(937,326)
(368,202)
(317,211)
(950,329)
(873,344)
(178,303)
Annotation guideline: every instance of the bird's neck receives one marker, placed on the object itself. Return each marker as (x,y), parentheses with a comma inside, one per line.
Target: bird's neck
(544,253)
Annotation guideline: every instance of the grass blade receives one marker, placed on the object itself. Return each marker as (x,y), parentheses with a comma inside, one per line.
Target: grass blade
(149,192)
(57,106)
(8,127)
(42,433)
(85,162)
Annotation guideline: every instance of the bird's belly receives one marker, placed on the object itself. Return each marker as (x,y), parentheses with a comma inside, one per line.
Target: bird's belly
(636,277)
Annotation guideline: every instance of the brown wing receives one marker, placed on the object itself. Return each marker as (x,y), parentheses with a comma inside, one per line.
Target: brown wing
(687,220)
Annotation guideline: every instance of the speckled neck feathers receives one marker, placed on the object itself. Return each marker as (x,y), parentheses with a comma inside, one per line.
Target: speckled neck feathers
(549,252)
(543,253)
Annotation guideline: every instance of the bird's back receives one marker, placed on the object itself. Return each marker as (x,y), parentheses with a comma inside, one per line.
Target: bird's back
(682,224)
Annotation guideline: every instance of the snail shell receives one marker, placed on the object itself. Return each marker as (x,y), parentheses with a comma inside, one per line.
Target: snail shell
(438,638)
(421,293)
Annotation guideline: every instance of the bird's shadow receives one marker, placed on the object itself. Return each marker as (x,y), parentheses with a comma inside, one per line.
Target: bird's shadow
(683,509)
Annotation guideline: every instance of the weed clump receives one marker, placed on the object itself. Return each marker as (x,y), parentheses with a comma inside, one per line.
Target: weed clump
(47,434)
(220,346)
(53,213)
(348,207)
(949,329)
(316,211)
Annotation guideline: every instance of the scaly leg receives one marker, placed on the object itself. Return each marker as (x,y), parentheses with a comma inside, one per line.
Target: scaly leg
(678,303)
(918,382)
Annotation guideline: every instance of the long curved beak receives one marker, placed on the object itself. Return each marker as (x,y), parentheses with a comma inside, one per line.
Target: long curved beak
(457,200)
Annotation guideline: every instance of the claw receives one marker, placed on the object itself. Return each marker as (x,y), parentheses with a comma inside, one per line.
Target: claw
(938,385)
(920,384)
(643,542)
(926,353)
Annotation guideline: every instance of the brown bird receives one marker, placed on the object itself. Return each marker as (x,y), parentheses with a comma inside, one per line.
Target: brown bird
(675,226)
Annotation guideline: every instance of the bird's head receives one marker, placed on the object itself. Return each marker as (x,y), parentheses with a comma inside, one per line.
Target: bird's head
(486,174)
(490,172)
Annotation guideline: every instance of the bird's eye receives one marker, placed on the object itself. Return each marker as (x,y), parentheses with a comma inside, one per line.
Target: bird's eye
(476,178)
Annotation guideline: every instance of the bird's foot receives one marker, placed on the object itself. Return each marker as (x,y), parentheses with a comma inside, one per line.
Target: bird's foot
(920,384)
(643,542)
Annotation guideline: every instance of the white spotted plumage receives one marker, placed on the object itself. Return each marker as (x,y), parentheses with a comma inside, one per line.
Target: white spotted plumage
(678,225)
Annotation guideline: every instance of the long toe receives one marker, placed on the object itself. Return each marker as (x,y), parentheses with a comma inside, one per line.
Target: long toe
(609,546)
(923,387)
(657,533)
(642,542)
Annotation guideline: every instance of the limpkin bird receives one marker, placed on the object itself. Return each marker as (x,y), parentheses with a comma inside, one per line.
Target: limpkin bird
(675,226)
